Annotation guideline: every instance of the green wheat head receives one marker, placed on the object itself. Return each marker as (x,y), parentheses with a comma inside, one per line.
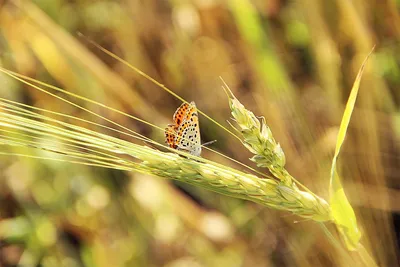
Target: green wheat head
(258,139)
(18,121)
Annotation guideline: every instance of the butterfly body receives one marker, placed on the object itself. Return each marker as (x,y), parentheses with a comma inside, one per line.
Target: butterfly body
(184,134)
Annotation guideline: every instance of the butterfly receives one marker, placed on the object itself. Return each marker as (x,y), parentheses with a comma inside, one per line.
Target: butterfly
(184,134)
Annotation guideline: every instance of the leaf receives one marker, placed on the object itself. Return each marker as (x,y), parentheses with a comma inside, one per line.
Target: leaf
(342,213)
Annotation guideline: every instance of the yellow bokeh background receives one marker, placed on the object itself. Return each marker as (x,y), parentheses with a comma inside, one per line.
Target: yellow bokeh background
(292,62)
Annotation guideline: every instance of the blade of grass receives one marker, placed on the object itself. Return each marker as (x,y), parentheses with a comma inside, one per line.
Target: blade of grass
(342,212)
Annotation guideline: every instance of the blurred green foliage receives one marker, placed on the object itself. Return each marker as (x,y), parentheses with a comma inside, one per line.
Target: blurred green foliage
(292,61)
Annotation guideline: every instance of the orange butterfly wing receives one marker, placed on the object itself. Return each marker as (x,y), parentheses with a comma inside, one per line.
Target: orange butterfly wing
(185,133)
(180,114)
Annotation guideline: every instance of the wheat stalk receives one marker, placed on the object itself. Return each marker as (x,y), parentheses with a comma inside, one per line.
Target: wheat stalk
(85,146)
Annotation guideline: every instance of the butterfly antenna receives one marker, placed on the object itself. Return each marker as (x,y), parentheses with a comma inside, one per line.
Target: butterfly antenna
(209,143)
